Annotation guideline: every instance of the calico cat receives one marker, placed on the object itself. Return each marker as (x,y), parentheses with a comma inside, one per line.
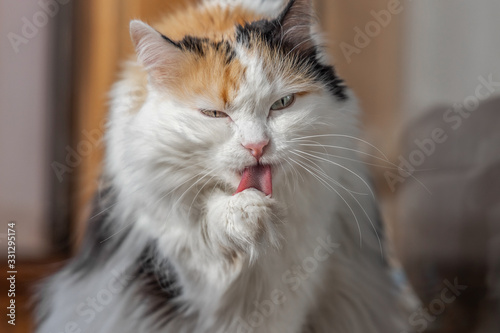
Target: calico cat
(235,199)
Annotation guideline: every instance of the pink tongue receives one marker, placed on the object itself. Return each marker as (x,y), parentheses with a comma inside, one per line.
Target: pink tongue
(257,177)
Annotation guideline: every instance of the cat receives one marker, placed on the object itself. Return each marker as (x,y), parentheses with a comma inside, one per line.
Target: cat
(234,194)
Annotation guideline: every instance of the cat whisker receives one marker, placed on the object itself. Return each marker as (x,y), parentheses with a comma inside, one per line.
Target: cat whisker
(177,187)
(187,190)
(340,166)
(215,186)
(278,218)
(197,193)
(343,136)
(287,182)
(323,173)
(395,167)
(354,150)
(326,153)
(316,144)
(116,233)
(103,211)
(130,223)
(358,161)
(296,173)
(328,186)
(371,223)
(359,204)
(116,203)
(344,148)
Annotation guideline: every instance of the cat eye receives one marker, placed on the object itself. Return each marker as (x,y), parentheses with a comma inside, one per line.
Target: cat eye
(283,102)
(214,114)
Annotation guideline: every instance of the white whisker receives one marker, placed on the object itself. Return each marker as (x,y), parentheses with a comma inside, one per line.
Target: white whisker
(343,136)
(395,167)
(132,221)
(343,167)
(197,193)
(328,186)
(323,173)
(187,190)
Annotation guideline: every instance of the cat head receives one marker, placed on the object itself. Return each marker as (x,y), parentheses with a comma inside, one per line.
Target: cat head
(222,101)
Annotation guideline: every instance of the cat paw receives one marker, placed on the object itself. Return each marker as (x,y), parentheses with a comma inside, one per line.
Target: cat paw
(248,221)
(248,212)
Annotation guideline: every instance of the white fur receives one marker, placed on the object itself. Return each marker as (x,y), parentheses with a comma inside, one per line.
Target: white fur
(176,170)
(270,8)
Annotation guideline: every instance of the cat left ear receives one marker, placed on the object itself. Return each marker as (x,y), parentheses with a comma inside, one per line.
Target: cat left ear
(159,55)
(296,22)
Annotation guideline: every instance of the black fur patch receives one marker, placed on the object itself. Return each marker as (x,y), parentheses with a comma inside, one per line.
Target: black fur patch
(101,239)
(200,46)
(270,32)
(194,44)
(158,287)
(155,276)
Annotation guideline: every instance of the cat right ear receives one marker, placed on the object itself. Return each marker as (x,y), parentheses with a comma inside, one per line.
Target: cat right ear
(158,54)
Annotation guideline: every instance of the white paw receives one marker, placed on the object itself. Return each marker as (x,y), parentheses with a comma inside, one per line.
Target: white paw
(250,207)
(248,221)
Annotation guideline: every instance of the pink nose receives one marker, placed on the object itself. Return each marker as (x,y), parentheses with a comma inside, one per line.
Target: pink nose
(256,149)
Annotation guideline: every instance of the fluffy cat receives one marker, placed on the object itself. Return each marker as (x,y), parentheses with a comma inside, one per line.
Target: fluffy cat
(234,200)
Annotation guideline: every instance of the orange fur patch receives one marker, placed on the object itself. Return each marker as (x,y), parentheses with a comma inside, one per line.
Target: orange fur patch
(210,75)
(213,22)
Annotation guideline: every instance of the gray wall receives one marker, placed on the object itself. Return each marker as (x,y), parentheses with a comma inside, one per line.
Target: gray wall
(25,116)
(449,44)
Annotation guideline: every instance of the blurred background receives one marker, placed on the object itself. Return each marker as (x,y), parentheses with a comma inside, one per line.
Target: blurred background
(428,77)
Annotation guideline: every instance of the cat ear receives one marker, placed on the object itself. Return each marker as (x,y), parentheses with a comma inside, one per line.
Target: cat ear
(158,54)
(296,22)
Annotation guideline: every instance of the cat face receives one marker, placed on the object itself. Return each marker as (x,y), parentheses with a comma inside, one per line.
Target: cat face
(218,106)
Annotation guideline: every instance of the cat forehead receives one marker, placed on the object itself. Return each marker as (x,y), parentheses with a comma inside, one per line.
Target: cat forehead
(229,53)
(225,73)
(210,70)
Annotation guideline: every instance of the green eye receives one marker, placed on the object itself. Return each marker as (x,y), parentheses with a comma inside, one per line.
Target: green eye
(214,114)
(283,102)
